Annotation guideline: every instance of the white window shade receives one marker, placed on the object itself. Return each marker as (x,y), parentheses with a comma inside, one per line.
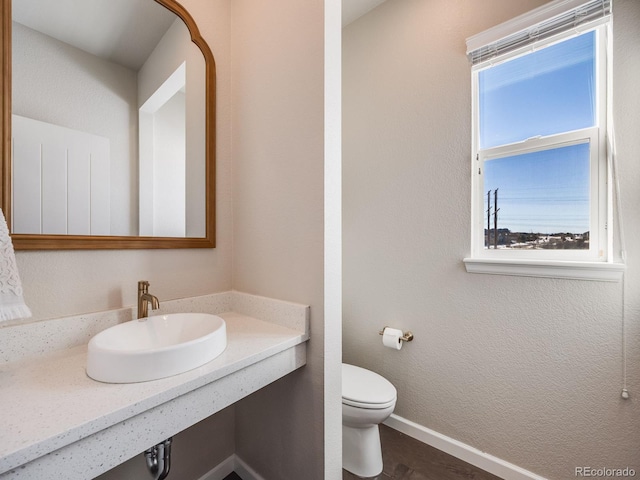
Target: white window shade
(542,23)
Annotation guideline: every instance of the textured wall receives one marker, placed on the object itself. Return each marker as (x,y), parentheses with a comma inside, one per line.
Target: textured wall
(526,369)
(278,216)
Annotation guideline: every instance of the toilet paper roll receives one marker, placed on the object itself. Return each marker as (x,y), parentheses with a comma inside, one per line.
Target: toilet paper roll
(391,338)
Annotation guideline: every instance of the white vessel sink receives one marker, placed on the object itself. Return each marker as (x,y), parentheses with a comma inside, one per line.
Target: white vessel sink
(156,347)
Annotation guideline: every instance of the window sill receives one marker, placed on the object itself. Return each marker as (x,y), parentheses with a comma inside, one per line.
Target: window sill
(596,271)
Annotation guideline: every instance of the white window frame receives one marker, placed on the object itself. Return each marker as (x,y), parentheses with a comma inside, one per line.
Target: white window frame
(596,263)
(597,174)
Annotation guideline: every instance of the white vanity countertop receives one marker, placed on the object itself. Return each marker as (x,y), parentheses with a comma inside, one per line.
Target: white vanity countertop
(48,403)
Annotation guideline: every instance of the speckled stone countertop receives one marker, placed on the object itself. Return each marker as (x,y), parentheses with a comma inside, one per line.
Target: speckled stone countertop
(48,403)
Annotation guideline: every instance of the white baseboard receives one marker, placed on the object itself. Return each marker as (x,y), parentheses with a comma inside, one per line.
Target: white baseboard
(464,452)
(245,471)
(220,471)
(232,464)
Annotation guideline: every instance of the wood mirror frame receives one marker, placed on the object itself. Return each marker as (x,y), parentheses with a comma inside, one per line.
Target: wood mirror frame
(88,242)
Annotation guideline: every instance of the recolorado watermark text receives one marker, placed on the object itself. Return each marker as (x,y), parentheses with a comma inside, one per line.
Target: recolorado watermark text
(605,472)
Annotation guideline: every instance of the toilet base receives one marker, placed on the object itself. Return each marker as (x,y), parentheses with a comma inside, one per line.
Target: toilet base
(361,450)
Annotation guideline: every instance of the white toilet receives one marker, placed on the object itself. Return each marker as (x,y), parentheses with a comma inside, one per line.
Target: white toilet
(367,400)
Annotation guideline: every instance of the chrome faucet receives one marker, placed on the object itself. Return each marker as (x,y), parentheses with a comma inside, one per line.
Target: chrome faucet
(144,299)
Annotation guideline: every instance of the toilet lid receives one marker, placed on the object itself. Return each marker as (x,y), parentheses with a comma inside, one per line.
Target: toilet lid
(364,388)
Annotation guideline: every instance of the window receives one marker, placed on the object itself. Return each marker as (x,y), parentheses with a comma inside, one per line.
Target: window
(540,194)
(538,154)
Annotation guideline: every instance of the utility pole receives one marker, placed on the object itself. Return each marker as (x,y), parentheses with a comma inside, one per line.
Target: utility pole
(495,218)
(488,219)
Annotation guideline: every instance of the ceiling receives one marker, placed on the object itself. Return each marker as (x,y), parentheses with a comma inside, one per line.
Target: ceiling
(121,31)
(354,9)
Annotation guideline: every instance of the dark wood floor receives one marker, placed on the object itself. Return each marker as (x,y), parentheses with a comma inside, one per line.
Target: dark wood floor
(232,476)
(405,458)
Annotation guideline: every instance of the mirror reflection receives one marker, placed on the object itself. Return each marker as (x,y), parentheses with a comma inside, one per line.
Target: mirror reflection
(108,120)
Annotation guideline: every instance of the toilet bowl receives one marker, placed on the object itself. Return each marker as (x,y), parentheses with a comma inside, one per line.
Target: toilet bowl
(367,400)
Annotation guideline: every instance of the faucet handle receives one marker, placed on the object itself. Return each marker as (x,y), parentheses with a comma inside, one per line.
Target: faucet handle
(143,286)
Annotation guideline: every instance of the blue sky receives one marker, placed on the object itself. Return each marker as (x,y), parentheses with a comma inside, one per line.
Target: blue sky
(547,92)
(547,193)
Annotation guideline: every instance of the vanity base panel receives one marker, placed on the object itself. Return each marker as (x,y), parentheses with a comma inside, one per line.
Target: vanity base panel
(100,452)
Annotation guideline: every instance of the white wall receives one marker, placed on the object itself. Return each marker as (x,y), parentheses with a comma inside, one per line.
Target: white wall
(169,169)
(332,333)
(60,84)
(526,369)
(278,137)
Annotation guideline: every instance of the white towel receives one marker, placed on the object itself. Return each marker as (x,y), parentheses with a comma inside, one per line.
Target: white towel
(12,304)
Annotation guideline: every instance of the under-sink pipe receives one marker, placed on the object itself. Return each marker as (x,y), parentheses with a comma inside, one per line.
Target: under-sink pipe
(159,459)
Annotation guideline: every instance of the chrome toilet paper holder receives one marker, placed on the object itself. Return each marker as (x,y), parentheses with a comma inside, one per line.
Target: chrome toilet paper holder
(406,337)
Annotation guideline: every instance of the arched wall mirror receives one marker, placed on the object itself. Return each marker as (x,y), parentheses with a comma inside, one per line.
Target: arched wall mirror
(108,125)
